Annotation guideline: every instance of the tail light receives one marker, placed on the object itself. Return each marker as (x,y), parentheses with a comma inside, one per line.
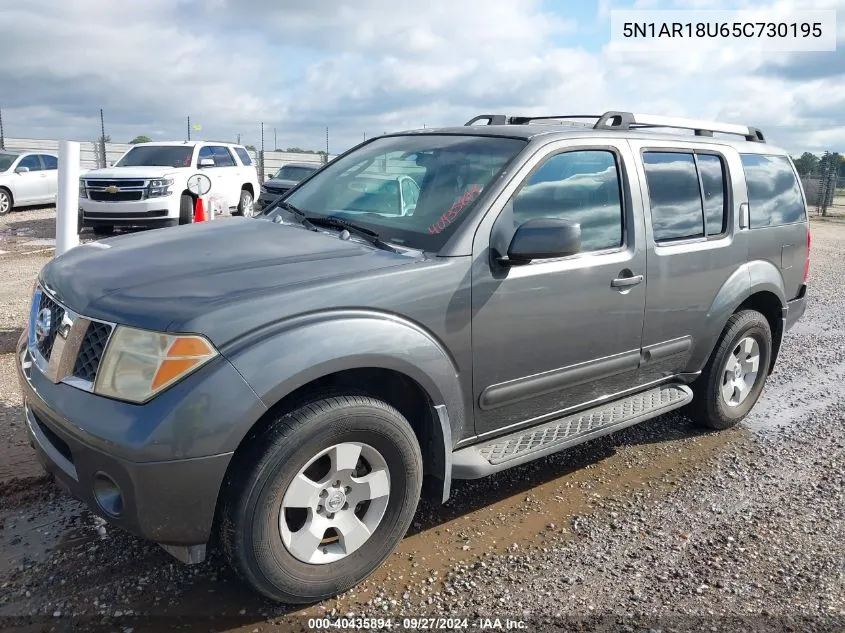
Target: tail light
(807,261)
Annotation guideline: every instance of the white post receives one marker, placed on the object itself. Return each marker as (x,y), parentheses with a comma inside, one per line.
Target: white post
(67,199)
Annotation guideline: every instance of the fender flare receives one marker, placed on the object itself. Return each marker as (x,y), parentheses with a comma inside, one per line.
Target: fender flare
(287,355)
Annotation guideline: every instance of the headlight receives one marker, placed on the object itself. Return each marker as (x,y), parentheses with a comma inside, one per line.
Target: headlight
(160,187)
(83,193)
(138,364)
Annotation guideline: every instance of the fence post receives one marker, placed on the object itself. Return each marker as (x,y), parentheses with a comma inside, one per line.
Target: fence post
(67,198)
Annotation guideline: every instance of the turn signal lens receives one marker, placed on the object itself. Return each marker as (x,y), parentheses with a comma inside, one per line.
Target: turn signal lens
(138,364)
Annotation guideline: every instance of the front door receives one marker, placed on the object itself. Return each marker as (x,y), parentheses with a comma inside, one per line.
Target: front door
(51,171)
(554,335)
(31,186)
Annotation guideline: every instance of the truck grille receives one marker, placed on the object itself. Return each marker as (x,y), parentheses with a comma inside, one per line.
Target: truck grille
(91,350)
(276,191)
(120,196)
(123,184)
(56,314)
(66,347)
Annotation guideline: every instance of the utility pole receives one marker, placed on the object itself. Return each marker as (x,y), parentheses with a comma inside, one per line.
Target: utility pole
(2,138)
(239,139)
(275,142)
(103,138)
(189,128)
(262,153)
(327,143)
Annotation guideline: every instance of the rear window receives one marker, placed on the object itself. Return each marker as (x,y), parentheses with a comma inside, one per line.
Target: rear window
(774,195)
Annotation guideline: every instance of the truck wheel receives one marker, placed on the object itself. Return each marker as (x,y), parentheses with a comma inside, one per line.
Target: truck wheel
(321,499)
(733,378)
(186,209)
(246,205)
(6,203)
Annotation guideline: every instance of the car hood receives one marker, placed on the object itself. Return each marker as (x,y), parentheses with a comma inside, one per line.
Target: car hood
(167,279)
(278,182)
(132,172)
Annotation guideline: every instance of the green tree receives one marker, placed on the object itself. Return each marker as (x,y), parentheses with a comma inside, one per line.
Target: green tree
(807,163)
(140,139)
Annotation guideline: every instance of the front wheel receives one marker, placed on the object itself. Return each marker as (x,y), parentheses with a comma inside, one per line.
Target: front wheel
(5,202)
(321,499)
(733,378)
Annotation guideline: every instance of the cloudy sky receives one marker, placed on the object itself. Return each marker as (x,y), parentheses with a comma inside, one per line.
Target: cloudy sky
(371,66)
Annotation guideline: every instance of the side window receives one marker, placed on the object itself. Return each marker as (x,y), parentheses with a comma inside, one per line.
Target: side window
(711,169)
(244,156)
(581,186)
(205,152)
(774,197)
(222,156)
(675,195)
(31,162)
(50,162)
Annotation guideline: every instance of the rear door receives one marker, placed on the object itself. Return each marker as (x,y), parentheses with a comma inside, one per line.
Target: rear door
(695,245)
(51,169)
(229,172)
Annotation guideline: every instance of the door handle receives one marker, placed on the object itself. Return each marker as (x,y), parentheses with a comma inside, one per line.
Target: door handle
(626,282)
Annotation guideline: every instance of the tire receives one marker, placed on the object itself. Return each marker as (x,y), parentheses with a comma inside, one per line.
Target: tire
(246,204)
(103,229)
(186,209)
(80,222)
(7,203)
(258,487)
(710,407)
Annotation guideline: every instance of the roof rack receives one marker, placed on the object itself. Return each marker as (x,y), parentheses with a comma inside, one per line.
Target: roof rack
(617,120)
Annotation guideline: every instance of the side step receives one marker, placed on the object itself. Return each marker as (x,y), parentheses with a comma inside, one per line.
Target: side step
(526,445)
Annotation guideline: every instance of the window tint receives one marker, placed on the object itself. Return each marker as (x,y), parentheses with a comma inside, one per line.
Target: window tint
(222,156)
(774,197)
(676,210)
(50,162)
(712,173)
(581,186)
(157,156)
(31,161)
(244,156)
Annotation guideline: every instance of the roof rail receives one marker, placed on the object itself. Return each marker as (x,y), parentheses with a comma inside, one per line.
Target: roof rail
(618,120)
(629,121)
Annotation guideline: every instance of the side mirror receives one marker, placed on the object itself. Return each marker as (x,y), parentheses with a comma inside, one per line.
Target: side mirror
(205,162)
(22,170)
(543,238)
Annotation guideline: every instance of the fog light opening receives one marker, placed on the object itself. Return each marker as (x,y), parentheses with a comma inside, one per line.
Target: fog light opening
(108,495)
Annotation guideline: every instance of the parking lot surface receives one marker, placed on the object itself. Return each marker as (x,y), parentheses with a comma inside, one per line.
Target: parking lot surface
(661,526)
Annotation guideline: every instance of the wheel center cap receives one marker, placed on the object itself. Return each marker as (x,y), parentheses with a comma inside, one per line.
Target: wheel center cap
(737,372)
(335,501)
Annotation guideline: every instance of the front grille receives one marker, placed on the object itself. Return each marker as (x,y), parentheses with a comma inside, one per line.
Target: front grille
(91,351)
(57,313)
(120,196)
(115,183)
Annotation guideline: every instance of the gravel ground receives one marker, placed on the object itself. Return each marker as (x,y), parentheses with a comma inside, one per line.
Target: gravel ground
(660,527)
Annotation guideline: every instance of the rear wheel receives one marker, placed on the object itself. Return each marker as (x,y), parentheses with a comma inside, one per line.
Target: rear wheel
(6,203)
(186,209)
(733,378)
(246,204)
(319,502)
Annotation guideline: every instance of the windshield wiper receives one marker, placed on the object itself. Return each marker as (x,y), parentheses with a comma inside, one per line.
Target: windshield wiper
(299,213)
(340,223)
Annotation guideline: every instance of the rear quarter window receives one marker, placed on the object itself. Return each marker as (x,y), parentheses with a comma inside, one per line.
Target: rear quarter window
(244,156)
(774,195)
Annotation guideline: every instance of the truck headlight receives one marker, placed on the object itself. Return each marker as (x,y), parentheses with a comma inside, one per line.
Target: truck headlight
(83,192)
(160,187)
(138,364)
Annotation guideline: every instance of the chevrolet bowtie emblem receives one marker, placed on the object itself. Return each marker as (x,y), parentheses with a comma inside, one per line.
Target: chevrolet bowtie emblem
(112,189)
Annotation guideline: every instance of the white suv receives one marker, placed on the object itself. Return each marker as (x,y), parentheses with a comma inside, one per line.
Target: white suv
(148,185)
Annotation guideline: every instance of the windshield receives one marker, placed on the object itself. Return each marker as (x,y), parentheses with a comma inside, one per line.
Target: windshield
(294,172)
(412,190)
(6,161)
(157,156)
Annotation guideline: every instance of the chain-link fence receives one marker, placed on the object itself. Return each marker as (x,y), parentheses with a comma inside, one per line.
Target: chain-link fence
(824,186)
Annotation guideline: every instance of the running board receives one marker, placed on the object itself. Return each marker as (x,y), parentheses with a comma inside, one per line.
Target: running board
(526,445)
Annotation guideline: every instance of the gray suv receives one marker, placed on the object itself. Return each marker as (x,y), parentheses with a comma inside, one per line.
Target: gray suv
(290,385)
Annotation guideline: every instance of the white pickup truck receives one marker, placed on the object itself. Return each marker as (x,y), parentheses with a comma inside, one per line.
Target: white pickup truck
(148,185)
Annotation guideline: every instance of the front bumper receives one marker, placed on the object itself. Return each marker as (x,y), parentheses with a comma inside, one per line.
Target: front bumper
(153,211)
(169,501)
